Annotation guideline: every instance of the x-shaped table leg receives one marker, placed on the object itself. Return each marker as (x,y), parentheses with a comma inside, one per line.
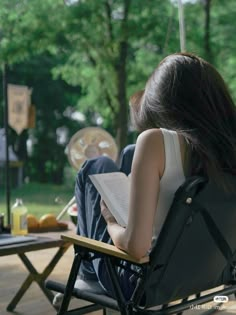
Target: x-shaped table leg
(37,277)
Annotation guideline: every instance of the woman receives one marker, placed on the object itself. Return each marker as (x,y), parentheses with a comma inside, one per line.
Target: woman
(188,124)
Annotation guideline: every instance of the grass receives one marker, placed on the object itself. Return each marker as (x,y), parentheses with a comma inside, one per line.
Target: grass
(39,198)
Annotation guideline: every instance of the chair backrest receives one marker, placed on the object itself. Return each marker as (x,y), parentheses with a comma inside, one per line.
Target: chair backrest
(196,247)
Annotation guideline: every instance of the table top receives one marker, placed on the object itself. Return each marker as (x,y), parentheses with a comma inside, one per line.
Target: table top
(43,241)
(40,243)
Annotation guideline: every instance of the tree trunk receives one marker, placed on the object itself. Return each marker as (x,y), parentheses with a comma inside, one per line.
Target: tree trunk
(121,71)
(207,45)
(122,129)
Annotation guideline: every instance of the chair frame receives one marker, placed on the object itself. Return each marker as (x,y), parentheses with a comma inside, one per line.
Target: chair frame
(112,255)
(88,249)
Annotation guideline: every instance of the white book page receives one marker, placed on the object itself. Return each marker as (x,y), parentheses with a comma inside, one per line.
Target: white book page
(114,189)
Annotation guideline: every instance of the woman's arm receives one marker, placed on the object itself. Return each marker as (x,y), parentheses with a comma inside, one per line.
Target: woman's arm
(147,169)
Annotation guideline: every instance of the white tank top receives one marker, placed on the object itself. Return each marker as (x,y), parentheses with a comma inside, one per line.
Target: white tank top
(172,178)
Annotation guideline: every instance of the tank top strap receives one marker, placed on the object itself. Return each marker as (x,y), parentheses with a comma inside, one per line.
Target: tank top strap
(172,152)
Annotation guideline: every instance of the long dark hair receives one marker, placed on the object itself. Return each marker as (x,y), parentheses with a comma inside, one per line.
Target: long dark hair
(188,95)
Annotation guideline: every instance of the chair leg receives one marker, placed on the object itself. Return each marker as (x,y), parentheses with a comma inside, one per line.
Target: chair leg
(124,308)
(70,284)
(104,311)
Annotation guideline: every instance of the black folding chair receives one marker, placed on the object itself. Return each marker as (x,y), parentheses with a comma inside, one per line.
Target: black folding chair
(195,252)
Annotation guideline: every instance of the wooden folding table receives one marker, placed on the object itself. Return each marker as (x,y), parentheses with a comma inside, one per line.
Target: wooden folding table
(21,249)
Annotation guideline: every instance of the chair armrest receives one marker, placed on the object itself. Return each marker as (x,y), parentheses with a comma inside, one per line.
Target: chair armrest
(102,247)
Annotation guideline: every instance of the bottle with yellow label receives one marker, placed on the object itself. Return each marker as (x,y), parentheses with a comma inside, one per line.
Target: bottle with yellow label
(19,218)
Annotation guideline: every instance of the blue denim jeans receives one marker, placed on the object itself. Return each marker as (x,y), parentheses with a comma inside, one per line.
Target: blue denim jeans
(92,224)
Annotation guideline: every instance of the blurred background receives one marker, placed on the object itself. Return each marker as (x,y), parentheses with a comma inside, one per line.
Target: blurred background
(81,60)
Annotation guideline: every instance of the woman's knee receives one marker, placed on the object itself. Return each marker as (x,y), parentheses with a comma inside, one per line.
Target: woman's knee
(128,152)
(126,158)
(129,149)
(101,164)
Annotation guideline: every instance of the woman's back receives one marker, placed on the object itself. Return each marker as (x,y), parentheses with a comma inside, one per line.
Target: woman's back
(172,177)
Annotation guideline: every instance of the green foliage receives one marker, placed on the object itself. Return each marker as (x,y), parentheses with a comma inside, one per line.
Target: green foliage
(51,97)
(40,198)
(28,28)
(222,38)
(92,56)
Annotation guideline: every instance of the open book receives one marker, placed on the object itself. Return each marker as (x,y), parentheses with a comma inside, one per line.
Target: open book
(114,189)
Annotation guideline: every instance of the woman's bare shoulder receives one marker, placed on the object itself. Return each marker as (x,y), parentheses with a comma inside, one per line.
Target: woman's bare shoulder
(151,136)
(151,143)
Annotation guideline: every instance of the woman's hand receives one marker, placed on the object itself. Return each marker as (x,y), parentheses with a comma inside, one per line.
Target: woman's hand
(106,213)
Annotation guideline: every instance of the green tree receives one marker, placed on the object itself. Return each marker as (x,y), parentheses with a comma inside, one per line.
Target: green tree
(114,51)
(52,98)
(223,25)
(92,56)
(210,27)
(100,42)
(26,48)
